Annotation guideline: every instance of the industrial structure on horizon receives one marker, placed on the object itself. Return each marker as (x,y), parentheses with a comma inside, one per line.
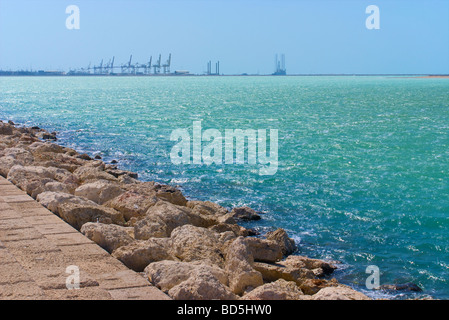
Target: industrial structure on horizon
(279,66)
(128,68)
(131,68)
(209,69)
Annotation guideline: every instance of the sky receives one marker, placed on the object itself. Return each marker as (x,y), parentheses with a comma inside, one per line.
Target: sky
(316,36)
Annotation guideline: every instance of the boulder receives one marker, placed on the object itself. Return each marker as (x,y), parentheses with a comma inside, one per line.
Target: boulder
(168,274)
(93,173)
(6,129)
(280,236)
(201,286)
(77,214)
(312,286)
(207,208)
(339,293)
(245,214)
(77,211)
(170,194)
(118,173)
(238,266)
(192,243)
(45,147)
(22,176)
(149,227)
(264,250)
(139,254)
(37,187)
(132,204)
(272,272)
(19,174)
(278,290)
(319,267)
(52,200)
(46,136)
(59,160)
(108,236)
(234,228)
(407,287)
(99,191)
(60,187)
(175,216)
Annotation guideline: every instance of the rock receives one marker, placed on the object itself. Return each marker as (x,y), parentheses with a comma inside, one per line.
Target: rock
(409,286)
(108,236)
(312,286)
(118,173)
(89,173)
(201,286)
(207,208)
(192,243)
(238,266)
(319,267)
(6,129)
(132,204)
(273,272)
(210,213)
(77,211)
(234,228)
(278,290)
(45,147)
(170,194)
(287,244)
(51,200)
(114,162)
(78,214)
(10,157)
(149,227)
(97,157)
(60,160)
(142,188)
(39,186)
(99,191)
(264,250)
(139,254)
(168,274)
(339,293)
(175,216)
(22,176)
(245,214)
(125,179)
(46,136)
(84,156)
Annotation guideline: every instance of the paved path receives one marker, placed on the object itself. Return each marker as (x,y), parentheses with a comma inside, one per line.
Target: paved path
(36,247)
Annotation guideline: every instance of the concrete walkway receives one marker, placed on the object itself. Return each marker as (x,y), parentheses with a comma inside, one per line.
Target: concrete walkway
(36,247)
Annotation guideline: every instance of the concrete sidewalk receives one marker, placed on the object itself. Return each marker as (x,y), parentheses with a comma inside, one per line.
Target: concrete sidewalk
(36,247)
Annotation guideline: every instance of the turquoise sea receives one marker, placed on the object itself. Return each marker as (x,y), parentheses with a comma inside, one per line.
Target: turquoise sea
(363,161)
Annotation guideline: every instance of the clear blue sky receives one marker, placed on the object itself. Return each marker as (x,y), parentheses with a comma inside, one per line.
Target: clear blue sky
(317,36)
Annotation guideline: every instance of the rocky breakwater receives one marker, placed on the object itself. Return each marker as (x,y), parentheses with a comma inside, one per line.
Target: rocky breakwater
(188,249)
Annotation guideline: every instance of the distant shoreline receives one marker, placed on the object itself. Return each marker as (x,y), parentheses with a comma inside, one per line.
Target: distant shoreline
(63,74)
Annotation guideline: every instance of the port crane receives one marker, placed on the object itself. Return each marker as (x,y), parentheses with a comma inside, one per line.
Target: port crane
(166,66)
(157,66)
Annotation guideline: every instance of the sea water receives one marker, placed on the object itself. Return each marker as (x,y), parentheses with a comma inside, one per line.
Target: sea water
(363,162)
